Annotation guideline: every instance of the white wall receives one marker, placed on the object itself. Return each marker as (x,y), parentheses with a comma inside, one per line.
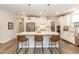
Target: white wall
(5,33)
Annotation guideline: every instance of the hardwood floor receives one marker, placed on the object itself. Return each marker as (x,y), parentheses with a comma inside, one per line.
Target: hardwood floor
(10,48)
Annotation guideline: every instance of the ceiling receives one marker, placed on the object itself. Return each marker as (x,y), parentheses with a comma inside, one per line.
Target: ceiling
(39,9)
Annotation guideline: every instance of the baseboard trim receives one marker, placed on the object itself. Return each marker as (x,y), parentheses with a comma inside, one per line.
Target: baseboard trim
(68,42)
(7,40)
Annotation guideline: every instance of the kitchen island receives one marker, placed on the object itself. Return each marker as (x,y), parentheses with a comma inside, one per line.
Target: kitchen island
(46,36)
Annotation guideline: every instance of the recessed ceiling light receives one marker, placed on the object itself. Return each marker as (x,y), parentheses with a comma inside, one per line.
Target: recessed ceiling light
(40,13)
(73,9)
(57,12)
(23,12)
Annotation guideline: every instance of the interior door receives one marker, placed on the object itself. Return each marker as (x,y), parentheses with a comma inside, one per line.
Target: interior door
(21,25)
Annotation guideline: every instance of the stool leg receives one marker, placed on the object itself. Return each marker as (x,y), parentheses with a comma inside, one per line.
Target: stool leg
(35,47)
(18,50)
(52,47)
(60,48)
(27,48)
(55,44)
(28,45)
(17,47)
(49,47)
(42,47)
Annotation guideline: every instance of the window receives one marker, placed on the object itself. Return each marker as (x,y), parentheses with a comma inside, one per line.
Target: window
(75,20)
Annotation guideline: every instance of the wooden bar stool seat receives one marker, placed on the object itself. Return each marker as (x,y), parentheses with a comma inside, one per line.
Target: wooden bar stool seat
(53,42)
(21,40)
(38,38)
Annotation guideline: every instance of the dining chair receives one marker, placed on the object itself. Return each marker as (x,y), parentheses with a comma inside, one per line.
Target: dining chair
(38,38)
(23,40)
(53,43)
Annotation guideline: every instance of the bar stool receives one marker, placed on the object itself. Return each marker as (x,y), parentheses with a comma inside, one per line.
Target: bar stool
(21,40)
(53,42)
(38,38)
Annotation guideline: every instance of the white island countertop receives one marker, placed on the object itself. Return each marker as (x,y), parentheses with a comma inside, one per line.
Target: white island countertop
(37,33)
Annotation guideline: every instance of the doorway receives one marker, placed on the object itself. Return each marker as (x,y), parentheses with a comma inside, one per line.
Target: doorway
(21,25)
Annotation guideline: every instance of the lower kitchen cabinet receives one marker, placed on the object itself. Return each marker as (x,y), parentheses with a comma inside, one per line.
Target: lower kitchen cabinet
(68,36)
(77,39)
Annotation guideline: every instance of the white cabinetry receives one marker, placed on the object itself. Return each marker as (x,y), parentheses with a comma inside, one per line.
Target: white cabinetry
(68,36)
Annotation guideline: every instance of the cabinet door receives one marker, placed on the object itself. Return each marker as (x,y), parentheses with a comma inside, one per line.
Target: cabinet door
(72,39)
(77,40)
